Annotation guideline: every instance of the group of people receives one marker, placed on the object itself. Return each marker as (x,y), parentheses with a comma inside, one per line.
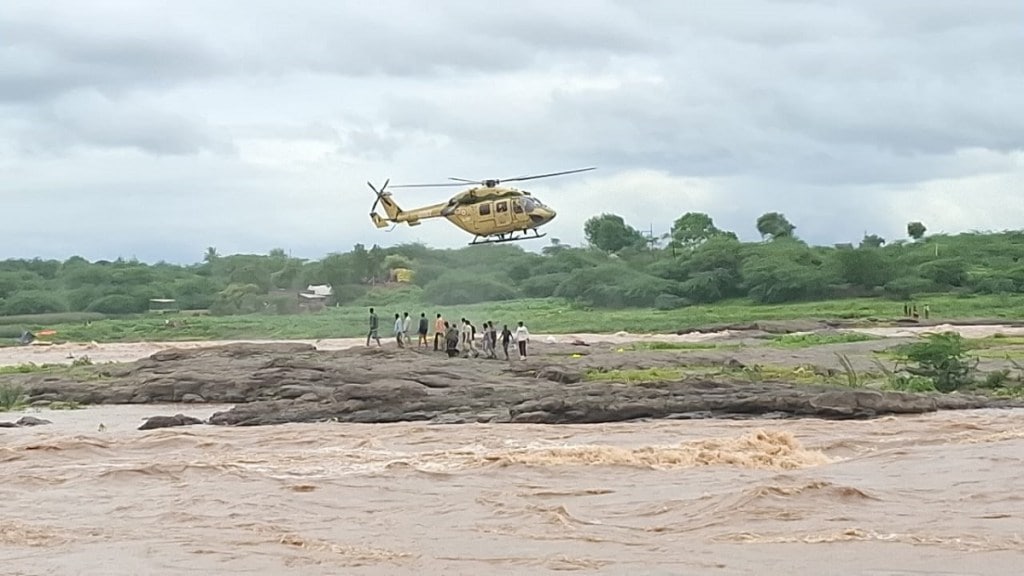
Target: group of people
(455,337)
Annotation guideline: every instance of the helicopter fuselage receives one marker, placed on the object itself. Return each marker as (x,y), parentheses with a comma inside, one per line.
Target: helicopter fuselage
(497,211)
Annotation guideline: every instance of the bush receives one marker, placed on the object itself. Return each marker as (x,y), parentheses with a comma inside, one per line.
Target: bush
(908,288)
(543,286)
(457,287)
(33,302)
(382,297)
(942,358)
(614,285)
(347,293)
(670,302)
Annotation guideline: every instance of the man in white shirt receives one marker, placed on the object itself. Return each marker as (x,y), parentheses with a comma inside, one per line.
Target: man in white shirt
(406,324)
(521,336)
(398,330)
(468,346)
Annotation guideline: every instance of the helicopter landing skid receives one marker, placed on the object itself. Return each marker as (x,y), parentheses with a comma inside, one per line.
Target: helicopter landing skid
(507,237)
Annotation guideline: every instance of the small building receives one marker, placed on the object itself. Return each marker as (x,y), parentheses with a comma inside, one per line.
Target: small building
(324,290)
(314,298)
(402,275)
(163,305)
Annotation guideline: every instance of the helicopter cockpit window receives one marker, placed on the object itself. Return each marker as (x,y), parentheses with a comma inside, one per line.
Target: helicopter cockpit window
(485,208)
(501,207)
(529,204)
(517,207)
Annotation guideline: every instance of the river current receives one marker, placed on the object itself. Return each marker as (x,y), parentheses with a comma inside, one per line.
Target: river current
(933,494)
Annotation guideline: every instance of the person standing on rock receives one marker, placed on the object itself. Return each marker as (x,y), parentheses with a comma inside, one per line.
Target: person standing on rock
(522,336)
(398,330)
(506,337)
(451,333)
(440,328)
(406,325)
(424,325)
(492,335)
(486,341)
(469,346)
(374,326)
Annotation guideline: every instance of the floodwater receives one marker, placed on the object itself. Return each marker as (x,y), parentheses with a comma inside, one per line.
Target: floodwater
(925,495)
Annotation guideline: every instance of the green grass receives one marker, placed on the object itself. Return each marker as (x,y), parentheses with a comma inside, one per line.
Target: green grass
(12,397)
(549,315)
(54,318)
(818,339)
(759,373)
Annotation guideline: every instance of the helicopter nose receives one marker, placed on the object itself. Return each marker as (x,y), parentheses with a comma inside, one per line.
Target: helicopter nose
(542,216)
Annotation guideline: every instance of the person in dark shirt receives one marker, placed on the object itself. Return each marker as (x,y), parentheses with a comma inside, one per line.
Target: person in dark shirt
(423,327)
(451,333)
(492,334)
(374,326)
(506,338)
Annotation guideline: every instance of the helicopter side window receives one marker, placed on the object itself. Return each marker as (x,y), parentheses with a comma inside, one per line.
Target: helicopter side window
(517,207)
(485,208)
(501,207)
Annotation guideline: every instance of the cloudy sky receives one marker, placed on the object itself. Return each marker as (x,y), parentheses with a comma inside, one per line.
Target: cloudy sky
(155,129)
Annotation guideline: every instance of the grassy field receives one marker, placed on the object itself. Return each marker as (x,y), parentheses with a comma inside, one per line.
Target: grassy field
(540,316)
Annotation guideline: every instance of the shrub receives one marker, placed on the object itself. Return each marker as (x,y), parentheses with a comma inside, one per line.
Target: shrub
(33,302)
(941,358)
(458,287)
(670,302)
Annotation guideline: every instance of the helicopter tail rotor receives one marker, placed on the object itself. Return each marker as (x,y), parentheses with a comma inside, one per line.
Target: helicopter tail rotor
(390,208)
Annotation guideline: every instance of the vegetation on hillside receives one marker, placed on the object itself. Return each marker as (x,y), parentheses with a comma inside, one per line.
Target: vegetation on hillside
(695,264)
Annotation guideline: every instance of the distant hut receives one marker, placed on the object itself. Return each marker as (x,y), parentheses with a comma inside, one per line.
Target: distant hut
(314,297)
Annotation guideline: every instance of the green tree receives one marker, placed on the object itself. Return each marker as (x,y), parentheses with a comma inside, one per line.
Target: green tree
(361,263)
(693,229)
(375,262)
(609,232)
(774,225)
(872,241)
(553,247)
(393,261)
(916,230)
(865,267)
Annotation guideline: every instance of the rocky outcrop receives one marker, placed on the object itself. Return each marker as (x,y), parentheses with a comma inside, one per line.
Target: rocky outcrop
(154,422)
(25,421)
(278,383)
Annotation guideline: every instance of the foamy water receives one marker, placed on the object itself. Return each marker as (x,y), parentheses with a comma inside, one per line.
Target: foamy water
(934,494)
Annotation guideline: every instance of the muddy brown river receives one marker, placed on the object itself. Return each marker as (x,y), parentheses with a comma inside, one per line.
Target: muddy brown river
(935,494)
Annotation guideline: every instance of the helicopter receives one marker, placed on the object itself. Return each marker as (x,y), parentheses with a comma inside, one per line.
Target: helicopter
(491,213)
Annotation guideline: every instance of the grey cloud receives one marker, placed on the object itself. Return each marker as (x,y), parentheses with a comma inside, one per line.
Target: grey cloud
(87,119)
(849,104)
(41,60)
(825,110)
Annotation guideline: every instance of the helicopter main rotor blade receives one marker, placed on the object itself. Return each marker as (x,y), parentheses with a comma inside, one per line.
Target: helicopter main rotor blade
(521,178)
(428,185)
(465,180)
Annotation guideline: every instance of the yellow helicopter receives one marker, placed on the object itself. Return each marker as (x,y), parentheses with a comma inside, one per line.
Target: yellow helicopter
(489,212)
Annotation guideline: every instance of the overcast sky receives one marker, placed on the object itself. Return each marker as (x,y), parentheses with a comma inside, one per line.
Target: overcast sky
(155,129)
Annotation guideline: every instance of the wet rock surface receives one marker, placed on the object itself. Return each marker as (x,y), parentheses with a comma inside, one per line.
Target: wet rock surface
(25,421)
(280,383)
